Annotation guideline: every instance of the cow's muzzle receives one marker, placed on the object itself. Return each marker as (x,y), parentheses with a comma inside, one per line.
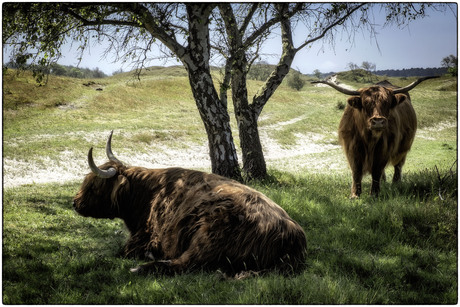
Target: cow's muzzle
(378,123)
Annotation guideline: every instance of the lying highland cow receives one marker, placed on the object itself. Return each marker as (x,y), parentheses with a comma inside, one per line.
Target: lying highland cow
(186,219)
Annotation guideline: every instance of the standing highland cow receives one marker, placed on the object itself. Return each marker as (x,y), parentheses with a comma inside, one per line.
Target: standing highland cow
(377,128)
(186,219)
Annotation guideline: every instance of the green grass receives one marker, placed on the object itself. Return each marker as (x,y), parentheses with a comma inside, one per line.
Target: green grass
(398,249)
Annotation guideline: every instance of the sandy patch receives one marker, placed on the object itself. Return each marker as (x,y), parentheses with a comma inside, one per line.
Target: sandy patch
(72,166)
(428,133)
(333,79)
(310,153)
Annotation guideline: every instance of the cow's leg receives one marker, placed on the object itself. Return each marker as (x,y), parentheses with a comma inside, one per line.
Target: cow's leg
(375,187)
(170,267)
(376,175)
(384,176)
(398,170)
(135,249)
(162,267)
(356,184)
(356,157)
(141,245)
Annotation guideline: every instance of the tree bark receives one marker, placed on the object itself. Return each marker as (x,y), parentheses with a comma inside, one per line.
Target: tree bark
(213,111)
(224,160)
(254,166)
(246,114)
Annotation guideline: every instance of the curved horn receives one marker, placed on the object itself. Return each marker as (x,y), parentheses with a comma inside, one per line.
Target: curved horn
(412,85)
(339,88)
(99,172)
(108,150)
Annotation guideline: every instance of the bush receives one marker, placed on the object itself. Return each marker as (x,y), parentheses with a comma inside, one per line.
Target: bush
(295,81)
(260,72)
(341,105)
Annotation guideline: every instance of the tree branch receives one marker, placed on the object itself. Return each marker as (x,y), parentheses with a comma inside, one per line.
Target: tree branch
(86,22)
(248,18)
(231,27)
(152,25)
(284,65)
(332,25)
(225,85)
(267,25)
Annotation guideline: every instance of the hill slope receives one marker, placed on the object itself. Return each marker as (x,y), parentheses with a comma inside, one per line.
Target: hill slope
(48,129)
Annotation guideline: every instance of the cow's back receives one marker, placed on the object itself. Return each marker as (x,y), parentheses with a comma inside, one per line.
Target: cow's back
(220,223)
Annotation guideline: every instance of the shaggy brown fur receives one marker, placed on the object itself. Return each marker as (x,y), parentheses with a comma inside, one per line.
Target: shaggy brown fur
(377,128)
(186,220)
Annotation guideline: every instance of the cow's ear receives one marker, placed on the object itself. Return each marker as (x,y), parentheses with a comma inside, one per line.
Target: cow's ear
(399,98)
(122,184)
(355,102)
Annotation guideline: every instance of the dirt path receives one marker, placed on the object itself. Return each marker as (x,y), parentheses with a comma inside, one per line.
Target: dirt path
(333,78)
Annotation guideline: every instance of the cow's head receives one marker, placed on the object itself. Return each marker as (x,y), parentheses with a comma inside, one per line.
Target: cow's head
(98,195)
(375,102)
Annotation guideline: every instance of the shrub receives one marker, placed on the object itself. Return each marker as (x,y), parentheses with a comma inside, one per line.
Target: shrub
(295,81)
(340,105)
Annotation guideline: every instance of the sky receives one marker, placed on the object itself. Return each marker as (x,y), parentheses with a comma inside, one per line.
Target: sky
(424,43)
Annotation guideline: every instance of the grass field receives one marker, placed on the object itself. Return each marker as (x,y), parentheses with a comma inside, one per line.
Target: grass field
(398,249)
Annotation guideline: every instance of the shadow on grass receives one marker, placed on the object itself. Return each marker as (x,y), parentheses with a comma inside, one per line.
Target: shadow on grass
(403,243)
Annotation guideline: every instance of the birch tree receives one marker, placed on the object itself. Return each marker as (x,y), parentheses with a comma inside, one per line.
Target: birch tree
(245,34)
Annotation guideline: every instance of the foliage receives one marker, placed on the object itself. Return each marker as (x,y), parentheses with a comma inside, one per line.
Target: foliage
(369,68)
(358,75)
(63,70)
(341,105)
(295,81)
(412,72)
(451,63)
(260,71)
(361,72)
(118,71)
(75,72)
(317,73)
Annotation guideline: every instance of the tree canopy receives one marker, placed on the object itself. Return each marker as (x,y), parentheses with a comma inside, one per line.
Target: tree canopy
(451,63)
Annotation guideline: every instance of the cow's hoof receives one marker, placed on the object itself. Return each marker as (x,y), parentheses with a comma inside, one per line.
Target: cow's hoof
(162,267)
(137,270)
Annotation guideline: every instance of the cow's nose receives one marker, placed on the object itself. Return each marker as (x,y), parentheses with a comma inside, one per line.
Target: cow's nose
(378,121)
